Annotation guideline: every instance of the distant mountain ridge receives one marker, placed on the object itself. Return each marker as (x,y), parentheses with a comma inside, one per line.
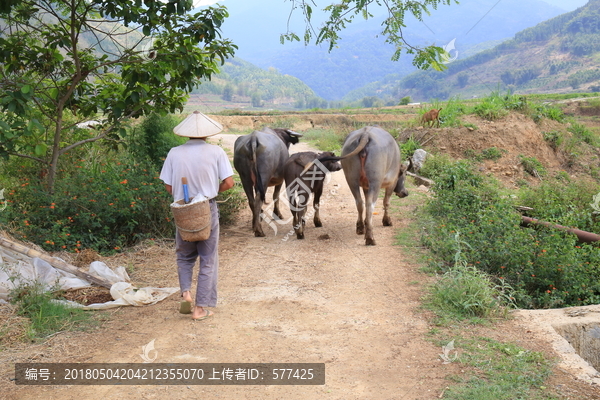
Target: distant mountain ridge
(362,56)
(558,55)
(240,81)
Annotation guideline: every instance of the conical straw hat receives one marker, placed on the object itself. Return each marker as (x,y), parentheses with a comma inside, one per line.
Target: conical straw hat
(197,125)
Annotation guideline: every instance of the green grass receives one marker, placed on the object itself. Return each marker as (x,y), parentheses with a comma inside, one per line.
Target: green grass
(466,301)
(325,139)
(496,370)
(532,166)
(47,316)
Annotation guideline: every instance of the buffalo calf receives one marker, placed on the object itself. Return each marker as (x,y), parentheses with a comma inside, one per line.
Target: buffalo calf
(305,174)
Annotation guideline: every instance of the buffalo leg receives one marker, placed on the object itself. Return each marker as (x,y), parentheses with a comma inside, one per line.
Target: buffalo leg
(298,209)
(256,213)
(276,212)
(316,200)
(301,221)
(370,199)
(249,190)
(387,221)
(360,225)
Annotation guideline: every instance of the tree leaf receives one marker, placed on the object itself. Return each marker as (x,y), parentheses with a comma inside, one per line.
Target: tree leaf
(40,149)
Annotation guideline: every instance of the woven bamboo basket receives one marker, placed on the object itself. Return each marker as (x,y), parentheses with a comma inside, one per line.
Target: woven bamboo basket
(193,220)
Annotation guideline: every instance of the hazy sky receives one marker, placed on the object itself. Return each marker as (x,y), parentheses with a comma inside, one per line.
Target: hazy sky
(568,5)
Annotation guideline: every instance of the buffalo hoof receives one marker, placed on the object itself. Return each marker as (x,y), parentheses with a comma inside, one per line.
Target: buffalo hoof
(370,242)
(360,229)
(387,221)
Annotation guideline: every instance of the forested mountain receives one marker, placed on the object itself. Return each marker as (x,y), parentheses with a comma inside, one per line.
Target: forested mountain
(558,55)
(363,57)
(241,81)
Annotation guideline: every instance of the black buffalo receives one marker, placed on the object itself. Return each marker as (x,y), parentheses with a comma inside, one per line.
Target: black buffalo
(259,159)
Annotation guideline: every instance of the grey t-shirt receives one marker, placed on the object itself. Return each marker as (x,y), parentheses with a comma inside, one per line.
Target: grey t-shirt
(204,165)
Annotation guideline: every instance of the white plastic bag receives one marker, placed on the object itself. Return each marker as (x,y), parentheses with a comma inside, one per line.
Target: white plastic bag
(17,270)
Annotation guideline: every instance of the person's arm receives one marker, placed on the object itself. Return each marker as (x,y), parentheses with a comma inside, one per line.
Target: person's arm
(169,189)
(226,184)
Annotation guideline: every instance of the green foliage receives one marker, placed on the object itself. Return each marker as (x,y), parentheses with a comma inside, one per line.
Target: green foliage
(404,101)
(105,206)
(408,148)
(540,111)
(326,139)
(151,140)
(546,267)
(453,109)
(492,107)
(339,15)
(563,201)
(521,76)
(582,133)
(248,80)
(67,65)
(371,101)
(492,153)
(46,316)
(227,92)
(553,138)
(499,371)
(230,203)
(463,291)
(532,166)
(256,100)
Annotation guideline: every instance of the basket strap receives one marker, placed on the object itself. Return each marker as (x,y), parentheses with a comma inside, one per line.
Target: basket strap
(193,230)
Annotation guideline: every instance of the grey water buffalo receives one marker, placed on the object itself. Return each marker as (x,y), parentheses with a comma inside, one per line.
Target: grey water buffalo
(371,161)
(304,174)
(259,159)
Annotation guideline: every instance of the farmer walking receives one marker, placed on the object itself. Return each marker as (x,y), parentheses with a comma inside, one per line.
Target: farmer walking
(207,172)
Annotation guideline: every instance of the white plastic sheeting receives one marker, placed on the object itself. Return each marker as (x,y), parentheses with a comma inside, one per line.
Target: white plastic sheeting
(17,270)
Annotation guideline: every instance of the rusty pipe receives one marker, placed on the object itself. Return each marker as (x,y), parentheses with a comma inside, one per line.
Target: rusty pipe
(583,236)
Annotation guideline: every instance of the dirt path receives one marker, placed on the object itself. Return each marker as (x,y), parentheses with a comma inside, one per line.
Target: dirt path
(328,298)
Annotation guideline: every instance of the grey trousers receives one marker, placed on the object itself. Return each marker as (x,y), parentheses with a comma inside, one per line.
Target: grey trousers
(208,251)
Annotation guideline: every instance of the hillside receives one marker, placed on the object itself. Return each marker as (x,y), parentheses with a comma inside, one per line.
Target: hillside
(243,85)
(556,56)
(362,55)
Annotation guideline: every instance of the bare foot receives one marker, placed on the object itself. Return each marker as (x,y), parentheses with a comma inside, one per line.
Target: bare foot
(187,296)
(201,313)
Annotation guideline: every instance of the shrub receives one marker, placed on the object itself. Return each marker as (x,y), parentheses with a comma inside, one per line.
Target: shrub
(408,148)
(554,139)
(465,291)
(230,203)
(541,111)
(546,267)
(104,207)
(152,139)
(581,133)
(404,101)
(532,166)
(491,108)
(492,153)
